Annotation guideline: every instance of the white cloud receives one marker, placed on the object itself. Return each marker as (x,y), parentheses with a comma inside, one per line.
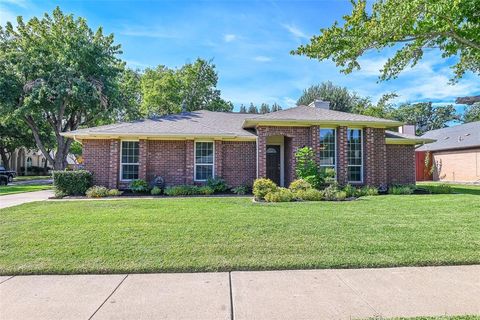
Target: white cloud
(295,31)
(262,59)
(229,37)
(20,3)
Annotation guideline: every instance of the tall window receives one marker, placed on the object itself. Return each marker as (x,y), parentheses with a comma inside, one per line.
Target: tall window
(355,155)
(129,161)
(328,147)
(203,160)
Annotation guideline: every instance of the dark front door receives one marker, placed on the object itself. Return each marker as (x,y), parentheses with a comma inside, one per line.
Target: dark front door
(273,163)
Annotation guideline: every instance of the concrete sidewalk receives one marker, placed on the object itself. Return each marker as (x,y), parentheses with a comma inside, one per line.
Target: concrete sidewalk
(308,294)
(16,199)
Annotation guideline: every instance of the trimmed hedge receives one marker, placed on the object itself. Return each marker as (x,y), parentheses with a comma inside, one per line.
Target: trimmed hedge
(72,182)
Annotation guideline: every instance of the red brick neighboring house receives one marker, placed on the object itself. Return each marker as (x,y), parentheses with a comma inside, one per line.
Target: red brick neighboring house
(190,147)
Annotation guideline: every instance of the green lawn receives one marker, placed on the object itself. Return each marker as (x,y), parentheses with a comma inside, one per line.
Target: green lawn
(466,317)
(457,188)
(218,234)
(11,189)
(29,178)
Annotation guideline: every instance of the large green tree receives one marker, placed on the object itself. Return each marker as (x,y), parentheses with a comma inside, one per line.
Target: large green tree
(451,26)
(472,113)
(425,116)
(340,98)
(194,85)
(58,73)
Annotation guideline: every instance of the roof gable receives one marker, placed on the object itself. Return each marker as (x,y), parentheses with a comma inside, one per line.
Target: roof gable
(455,137)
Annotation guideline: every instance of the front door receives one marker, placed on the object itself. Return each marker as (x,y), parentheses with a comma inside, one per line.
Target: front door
(273,163)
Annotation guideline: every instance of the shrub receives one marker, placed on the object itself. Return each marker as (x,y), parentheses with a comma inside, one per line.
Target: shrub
(306,167)
(114,193)
(329,193)
(280,195)
(241,190)
(369,191)
(299,185)
(156,191)
(309,195)
(263,186)
(206,190)
(97,192)
(440,189)
(340,195)
(59,194)
(72,182)
(184,190)
(350,191)
(217,184)
(398,190)
(139,186)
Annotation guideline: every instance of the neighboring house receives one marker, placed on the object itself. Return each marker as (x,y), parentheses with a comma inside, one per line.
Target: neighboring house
(27,162)
(455,155)
(22,160)
(191,147)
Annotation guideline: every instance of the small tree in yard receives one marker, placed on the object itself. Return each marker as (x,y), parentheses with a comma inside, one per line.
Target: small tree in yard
(306,167)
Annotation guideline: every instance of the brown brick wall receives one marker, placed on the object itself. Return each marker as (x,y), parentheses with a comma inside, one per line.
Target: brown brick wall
(400,164)
(167,159)
(374,157)
(342,162)
(96,155)
(239,163)
(236,161)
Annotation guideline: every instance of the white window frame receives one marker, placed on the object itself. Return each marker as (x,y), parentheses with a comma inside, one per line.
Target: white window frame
(202,164)
(121,159)
(361,154)
(335,148)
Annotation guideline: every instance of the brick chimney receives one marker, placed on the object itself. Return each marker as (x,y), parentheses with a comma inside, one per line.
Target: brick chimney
(407,129)
(320,104)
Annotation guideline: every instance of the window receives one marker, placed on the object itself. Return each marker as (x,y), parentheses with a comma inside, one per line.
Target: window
(129,160)
(355,155)
(29,162)
(328,147)
(203,160)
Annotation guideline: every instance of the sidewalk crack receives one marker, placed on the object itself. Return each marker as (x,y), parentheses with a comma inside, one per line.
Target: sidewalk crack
(111,294)
(7,279)
(376,313)
(232,313)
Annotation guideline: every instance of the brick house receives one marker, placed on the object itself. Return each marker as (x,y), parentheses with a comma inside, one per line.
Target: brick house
(455,154)
(190,147)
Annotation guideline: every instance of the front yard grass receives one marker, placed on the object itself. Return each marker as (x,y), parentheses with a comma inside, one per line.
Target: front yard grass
(457,188)
(11,189)
(30,178)
(221,234)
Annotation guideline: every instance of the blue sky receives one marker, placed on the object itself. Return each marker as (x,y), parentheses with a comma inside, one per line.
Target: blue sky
(249,42)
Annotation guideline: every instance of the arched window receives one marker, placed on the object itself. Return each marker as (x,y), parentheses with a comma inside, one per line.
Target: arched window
(29,162)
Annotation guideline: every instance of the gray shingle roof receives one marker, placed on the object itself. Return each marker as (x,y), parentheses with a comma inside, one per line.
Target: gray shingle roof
(228,124)
(398,135)
(305,113)
(455,137)
(198,123)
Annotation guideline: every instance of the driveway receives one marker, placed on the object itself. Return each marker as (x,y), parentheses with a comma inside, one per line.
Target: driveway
(303,294)
(11,200)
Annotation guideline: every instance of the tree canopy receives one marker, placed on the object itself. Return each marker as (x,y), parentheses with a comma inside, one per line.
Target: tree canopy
(452,26)
(340,98)
(59,74)
(164,90)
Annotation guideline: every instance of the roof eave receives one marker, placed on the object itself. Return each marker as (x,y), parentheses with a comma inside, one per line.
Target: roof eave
(102,135)
(408,141)
(251,123)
